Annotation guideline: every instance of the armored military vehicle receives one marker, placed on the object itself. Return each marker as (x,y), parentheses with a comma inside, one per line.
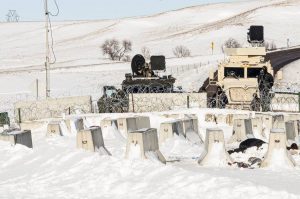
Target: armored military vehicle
(144,78)
(237,76)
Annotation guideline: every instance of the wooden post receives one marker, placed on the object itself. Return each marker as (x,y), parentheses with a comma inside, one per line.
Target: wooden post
(19,115)
(132,102)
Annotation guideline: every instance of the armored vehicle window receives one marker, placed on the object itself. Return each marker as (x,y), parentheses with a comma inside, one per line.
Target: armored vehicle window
(234,72)
(253,72)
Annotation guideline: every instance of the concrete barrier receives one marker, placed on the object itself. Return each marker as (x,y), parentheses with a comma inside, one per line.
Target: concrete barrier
(231,117)
(17,137)
(74,125)
(107,122)
(209,117)
(126,125)
(33,125)
(143,144)
(91,139)
(278,121)
(287,102)
(190,129)
(292,130)
(168,129)
(51,108)
(174,116)
(150,102)
(257,128)
(277,154)
(242,130)
(54,128)
(215,153)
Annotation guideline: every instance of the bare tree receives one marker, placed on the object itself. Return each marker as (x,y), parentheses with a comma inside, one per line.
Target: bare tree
(181,51)
(114,50)
(270,46)
(231,43)
(146,52)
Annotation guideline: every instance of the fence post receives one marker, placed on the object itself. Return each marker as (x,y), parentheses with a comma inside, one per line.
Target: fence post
(69,109)
(132,102)
(188,101)
(19,115)
(299,101)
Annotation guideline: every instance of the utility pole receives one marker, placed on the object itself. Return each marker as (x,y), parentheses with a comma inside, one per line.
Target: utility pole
(47,62)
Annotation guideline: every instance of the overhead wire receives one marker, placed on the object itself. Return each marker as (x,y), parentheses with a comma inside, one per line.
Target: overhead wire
(51,32)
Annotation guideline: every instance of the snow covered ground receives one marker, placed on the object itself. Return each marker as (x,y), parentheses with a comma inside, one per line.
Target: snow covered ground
(55,168)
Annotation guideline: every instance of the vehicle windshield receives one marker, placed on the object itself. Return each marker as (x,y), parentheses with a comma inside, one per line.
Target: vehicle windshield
(253,72)
(236,72)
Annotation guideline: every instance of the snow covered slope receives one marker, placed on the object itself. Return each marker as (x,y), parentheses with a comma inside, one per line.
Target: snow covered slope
(77,42)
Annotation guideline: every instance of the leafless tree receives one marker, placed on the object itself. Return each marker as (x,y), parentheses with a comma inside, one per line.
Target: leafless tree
(181,51)
(146,52)
(230,43)
(114,50)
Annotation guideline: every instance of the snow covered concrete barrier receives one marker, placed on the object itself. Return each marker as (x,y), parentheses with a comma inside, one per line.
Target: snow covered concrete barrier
(277,155)
(209,117)
(143,144)
(54,128)
(215,153)
(257,128)
(128,124)
(292,130)
(168,129)
(74,125)
(51,108)
(32,125)
(190,129)
(242,130)
(278,121)
(107,122)
(17,137)
(91,139)
(149,102)
(231,117)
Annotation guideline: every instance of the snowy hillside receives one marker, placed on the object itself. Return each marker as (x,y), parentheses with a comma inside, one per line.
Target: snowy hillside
(84,70)
(77,42)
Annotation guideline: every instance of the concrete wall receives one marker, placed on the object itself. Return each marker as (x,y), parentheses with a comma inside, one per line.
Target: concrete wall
(35,110)
(146,102)
(285,102)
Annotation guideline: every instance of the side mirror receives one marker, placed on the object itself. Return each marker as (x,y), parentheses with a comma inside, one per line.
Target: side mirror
(279,75)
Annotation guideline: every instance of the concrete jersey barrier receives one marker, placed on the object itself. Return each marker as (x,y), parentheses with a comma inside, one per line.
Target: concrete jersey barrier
(50,108)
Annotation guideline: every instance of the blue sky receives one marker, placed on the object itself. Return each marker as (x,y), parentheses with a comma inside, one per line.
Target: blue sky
(32,10)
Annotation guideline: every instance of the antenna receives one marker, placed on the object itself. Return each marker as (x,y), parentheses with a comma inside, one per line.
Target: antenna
(47,62)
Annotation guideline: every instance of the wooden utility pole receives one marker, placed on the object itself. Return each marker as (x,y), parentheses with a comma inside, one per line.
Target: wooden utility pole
(47,62)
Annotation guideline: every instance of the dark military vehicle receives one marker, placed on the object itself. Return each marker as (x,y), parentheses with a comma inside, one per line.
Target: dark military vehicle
(144,78)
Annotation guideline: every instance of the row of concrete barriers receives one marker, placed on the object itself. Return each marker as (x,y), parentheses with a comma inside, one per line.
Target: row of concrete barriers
(138,131)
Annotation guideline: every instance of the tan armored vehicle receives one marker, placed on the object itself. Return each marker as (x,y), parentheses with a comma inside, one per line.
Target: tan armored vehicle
(237,75)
